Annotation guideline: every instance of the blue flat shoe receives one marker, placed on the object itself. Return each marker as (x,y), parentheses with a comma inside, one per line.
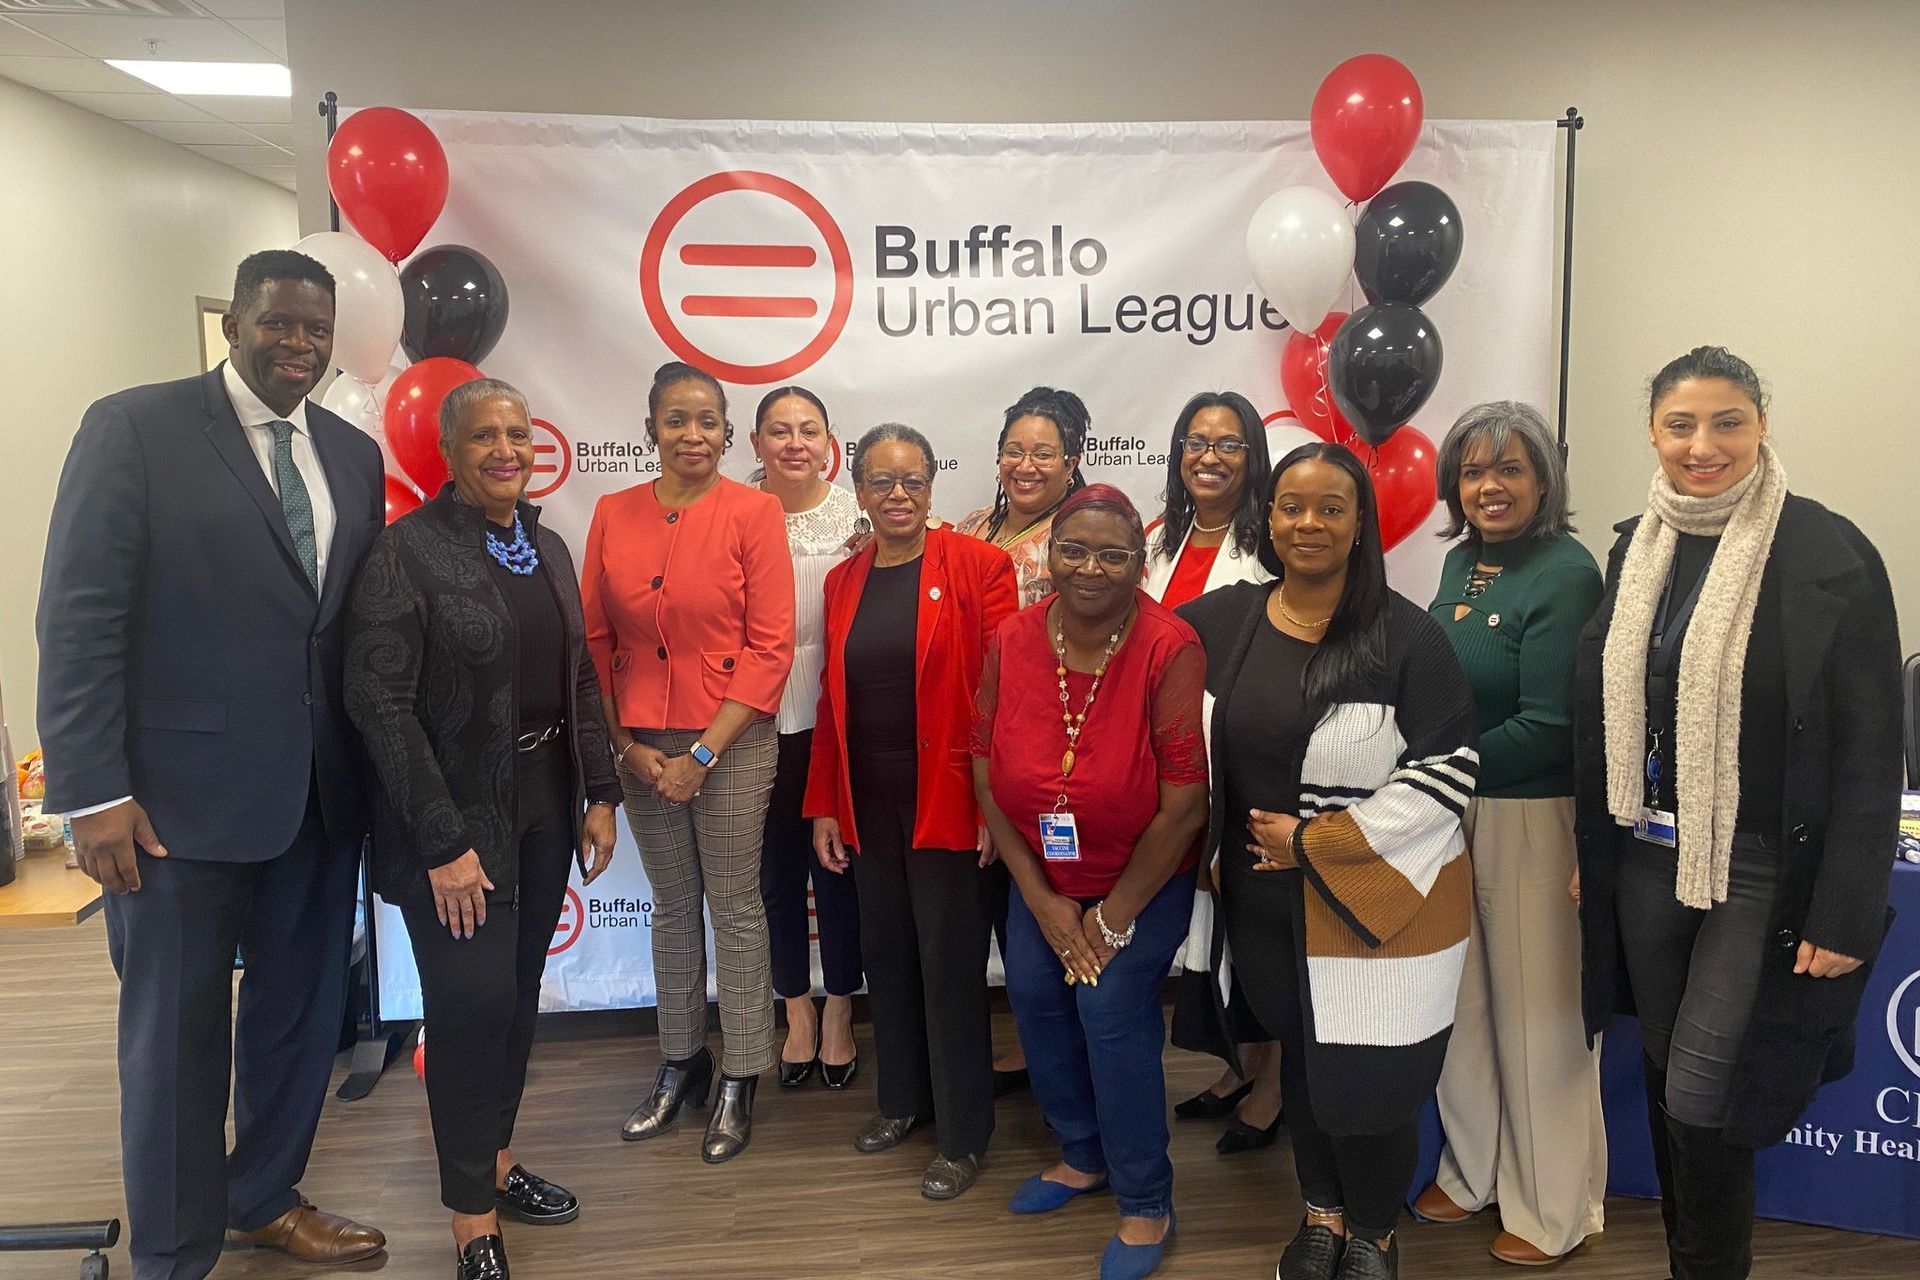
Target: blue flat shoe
(1123,1261)
(1037,1195)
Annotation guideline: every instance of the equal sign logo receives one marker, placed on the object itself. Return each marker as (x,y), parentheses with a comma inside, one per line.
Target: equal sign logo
(747,276)
(573,920)
(552,460)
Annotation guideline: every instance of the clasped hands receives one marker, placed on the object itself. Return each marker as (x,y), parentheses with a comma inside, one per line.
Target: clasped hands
(1075,937)
(675,779)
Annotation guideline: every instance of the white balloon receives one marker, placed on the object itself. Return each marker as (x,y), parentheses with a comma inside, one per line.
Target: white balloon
(364,405)
(368,307)
(1284,435)
(1300,244)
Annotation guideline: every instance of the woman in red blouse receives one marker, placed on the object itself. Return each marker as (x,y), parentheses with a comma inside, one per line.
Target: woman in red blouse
(1092,777)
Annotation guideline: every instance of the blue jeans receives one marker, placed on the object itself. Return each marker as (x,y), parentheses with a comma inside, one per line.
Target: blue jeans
(1093,1053)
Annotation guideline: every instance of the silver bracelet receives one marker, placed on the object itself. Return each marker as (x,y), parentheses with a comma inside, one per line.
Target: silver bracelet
(1114,940)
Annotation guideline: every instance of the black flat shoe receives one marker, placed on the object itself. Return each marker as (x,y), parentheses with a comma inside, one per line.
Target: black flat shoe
(1241,1137)
(1008,1082)
(1314,1254)
(529,1198)
(484,1258)
(731,1126)
(689,1082)
(946,1179)
(839,1075)
(1208,1105)
(883,1133)
(1363,1261)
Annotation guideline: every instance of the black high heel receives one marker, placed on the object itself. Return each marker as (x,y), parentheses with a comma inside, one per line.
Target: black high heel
(795,1074)
(839,1075)
(690,1081)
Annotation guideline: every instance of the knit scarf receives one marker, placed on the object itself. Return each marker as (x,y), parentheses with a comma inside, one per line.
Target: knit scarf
(1713,659)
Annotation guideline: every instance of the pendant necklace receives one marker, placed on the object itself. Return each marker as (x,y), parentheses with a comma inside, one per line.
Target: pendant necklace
(1076,722)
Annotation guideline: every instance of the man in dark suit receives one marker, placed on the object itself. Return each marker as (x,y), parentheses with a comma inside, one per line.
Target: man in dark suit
(204,538)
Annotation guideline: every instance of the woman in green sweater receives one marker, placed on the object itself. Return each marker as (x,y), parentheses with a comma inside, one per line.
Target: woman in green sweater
(1520,1094)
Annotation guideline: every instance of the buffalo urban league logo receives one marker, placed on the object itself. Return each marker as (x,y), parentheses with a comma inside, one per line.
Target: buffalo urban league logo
(747,276)
(577,917)
(552,460)
(573,922)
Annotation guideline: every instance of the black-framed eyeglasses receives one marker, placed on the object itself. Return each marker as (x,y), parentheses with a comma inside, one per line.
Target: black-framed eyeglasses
(1227,447)
(883,484)
(1112,559)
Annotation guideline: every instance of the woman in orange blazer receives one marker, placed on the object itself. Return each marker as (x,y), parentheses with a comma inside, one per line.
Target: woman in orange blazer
(687,588)
(907,624)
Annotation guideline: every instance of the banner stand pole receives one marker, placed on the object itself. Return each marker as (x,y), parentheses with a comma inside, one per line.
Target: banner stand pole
(1573,123)
(375,1050)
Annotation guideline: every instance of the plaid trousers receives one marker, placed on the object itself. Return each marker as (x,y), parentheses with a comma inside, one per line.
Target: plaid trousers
(710,845)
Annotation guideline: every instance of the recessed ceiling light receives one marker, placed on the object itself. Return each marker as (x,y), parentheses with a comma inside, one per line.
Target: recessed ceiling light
(211,79)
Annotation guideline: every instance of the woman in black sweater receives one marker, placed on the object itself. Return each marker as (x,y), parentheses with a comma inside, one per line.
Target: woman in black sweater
(1738,762)
(468,676)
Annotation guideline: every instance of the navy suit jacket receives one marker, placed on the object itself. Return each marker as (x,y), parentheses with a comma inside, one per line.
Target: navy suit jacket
(185,659)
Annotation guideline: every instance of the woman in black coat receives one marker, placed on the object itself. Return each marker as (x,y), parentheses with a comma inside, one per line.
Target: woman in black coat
(468,675)
(1738,763)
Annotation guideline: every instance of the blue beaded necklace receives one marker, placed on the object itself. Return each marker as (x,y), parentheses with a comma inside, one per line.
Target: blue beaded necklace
(519,556)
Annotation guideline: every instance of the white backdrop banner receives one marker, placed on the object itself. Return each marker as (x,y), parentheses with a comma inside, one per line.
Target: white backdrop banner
(928,274)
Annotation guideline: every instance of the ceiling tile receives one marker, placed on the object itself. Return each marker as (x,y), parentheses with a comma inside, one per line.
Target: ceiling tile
(282,174)
(17,40)
(280,135)
(72,75)
(126,36)
(190,133)
(135,106)
(245,110)
(245,8)
(239,156)
(269,33)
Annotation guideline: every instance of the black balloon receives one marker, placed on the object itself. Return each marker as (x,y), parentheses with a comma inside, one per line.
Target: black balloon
(456,304)
(1382,366)
(1407,243)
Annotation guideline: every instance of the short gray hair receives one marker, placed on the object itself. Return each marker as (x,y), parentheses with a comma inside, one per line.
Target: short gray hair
(883,434)
(469,394)
(1498,422)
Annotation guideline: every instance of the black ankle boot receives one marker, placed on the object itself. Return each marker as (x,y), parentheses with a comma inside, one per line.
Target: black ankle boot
(731,1126)
(1712,1233)
(678,1082)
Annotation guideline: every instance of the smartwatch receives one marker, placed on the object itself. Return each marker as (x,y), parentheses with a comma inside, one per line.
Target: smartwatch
(703,753)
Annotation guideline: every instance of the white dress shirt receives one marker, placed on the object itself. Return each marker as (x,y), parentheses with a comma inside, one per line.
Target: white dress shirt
(256,421)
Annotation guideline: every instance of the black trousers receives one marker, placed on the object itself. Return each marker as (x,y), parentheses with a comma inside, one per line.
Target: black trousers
(923,932)
(1365,1175)
(786,863)
(481,995)
(173,943)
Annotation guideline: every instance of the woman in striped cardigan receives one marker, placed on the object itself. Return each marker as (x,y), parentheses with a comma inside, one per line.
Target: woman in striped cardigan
(1343,752)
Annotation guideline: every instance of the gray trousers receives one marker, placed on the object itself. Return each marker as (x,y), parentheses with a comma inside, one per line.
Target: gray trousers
(710,847)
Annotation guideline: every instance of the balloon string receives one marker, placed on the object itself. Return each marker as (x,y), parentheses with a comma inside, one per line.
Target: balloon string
(1323,390)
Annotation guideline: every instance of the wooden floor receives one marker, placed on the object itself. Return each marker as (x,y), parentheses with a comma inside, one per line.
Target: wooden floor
(800,1203)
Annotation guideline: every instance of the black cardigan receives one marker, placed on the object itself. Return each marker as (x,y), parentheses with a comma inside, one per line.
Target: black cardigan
(1839,791)
(431,676)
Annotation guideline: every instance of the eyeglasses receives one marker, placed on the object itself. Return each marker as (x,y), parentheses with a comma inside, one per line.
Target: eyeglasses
(1112,559)
(1039,457)
(883,484)
(1227,448)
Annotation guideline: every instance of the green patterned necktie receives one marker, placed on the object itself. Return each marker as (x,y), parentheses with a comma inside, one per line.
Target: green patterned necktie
(295,502)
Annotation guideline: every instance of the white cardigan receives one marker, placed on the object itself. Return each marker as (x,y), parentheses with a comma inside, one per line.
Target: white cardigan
(1231,565)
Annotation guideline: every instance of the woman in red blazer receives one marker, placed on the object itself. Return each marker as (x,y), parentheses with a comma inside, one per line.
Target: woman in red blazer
(907,624)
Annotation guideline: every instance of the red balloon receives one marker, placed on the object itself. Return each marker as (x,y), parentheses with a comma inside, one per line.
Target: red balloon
(400,498)
(1303,376)
(389,177)
(412,417)
(1366,117)
(1403,481)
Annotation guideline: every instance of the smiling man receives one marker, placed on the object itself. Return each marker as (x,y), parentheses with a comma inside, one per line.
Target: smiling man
(204,537)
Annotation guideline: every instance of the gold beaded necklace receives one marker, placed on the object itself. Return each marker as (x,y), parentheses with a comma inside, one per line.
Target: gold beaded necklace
(1077,721)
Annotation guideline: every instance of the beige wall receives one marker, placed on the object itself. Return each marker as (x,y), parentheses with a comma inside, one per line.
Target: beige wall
(107,235)
(1737,158)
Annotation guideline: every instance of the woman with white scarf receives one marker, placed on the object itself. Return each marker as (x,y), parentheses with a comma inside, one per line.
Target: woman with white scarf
(1738,765)
(1208,536)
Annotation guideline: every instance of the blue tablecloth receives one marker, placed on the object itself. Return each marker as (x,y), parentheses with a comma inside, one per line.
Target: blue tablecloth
(1854,1162)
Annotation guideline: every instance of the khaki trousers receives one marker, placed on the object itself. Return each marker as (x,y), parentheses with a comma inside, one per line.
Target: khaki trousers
(1520,1093)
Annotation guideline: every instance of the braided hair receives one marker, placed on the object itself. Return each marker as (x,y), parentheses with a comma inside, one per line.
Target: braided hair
(1068,414)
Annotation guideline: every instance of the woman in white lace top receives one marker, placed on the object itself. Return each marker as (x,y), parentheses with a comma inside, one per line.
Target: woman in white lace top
(794,442)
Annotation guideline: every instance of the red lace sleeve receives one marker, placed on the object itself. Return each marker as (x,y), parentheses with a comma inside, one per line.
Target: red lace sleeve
(1179,747)
(980,742)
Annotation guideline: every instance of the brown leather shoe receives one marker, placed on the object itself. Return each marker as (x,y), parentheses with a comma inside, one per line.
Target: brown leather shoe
(1509,1247)
(310,1235)
(1433,1205)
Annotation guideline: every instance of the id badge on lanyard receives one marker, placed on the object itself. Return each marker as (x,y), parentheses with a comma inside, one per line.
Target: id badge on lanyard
(1656,825)
(1059,834)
